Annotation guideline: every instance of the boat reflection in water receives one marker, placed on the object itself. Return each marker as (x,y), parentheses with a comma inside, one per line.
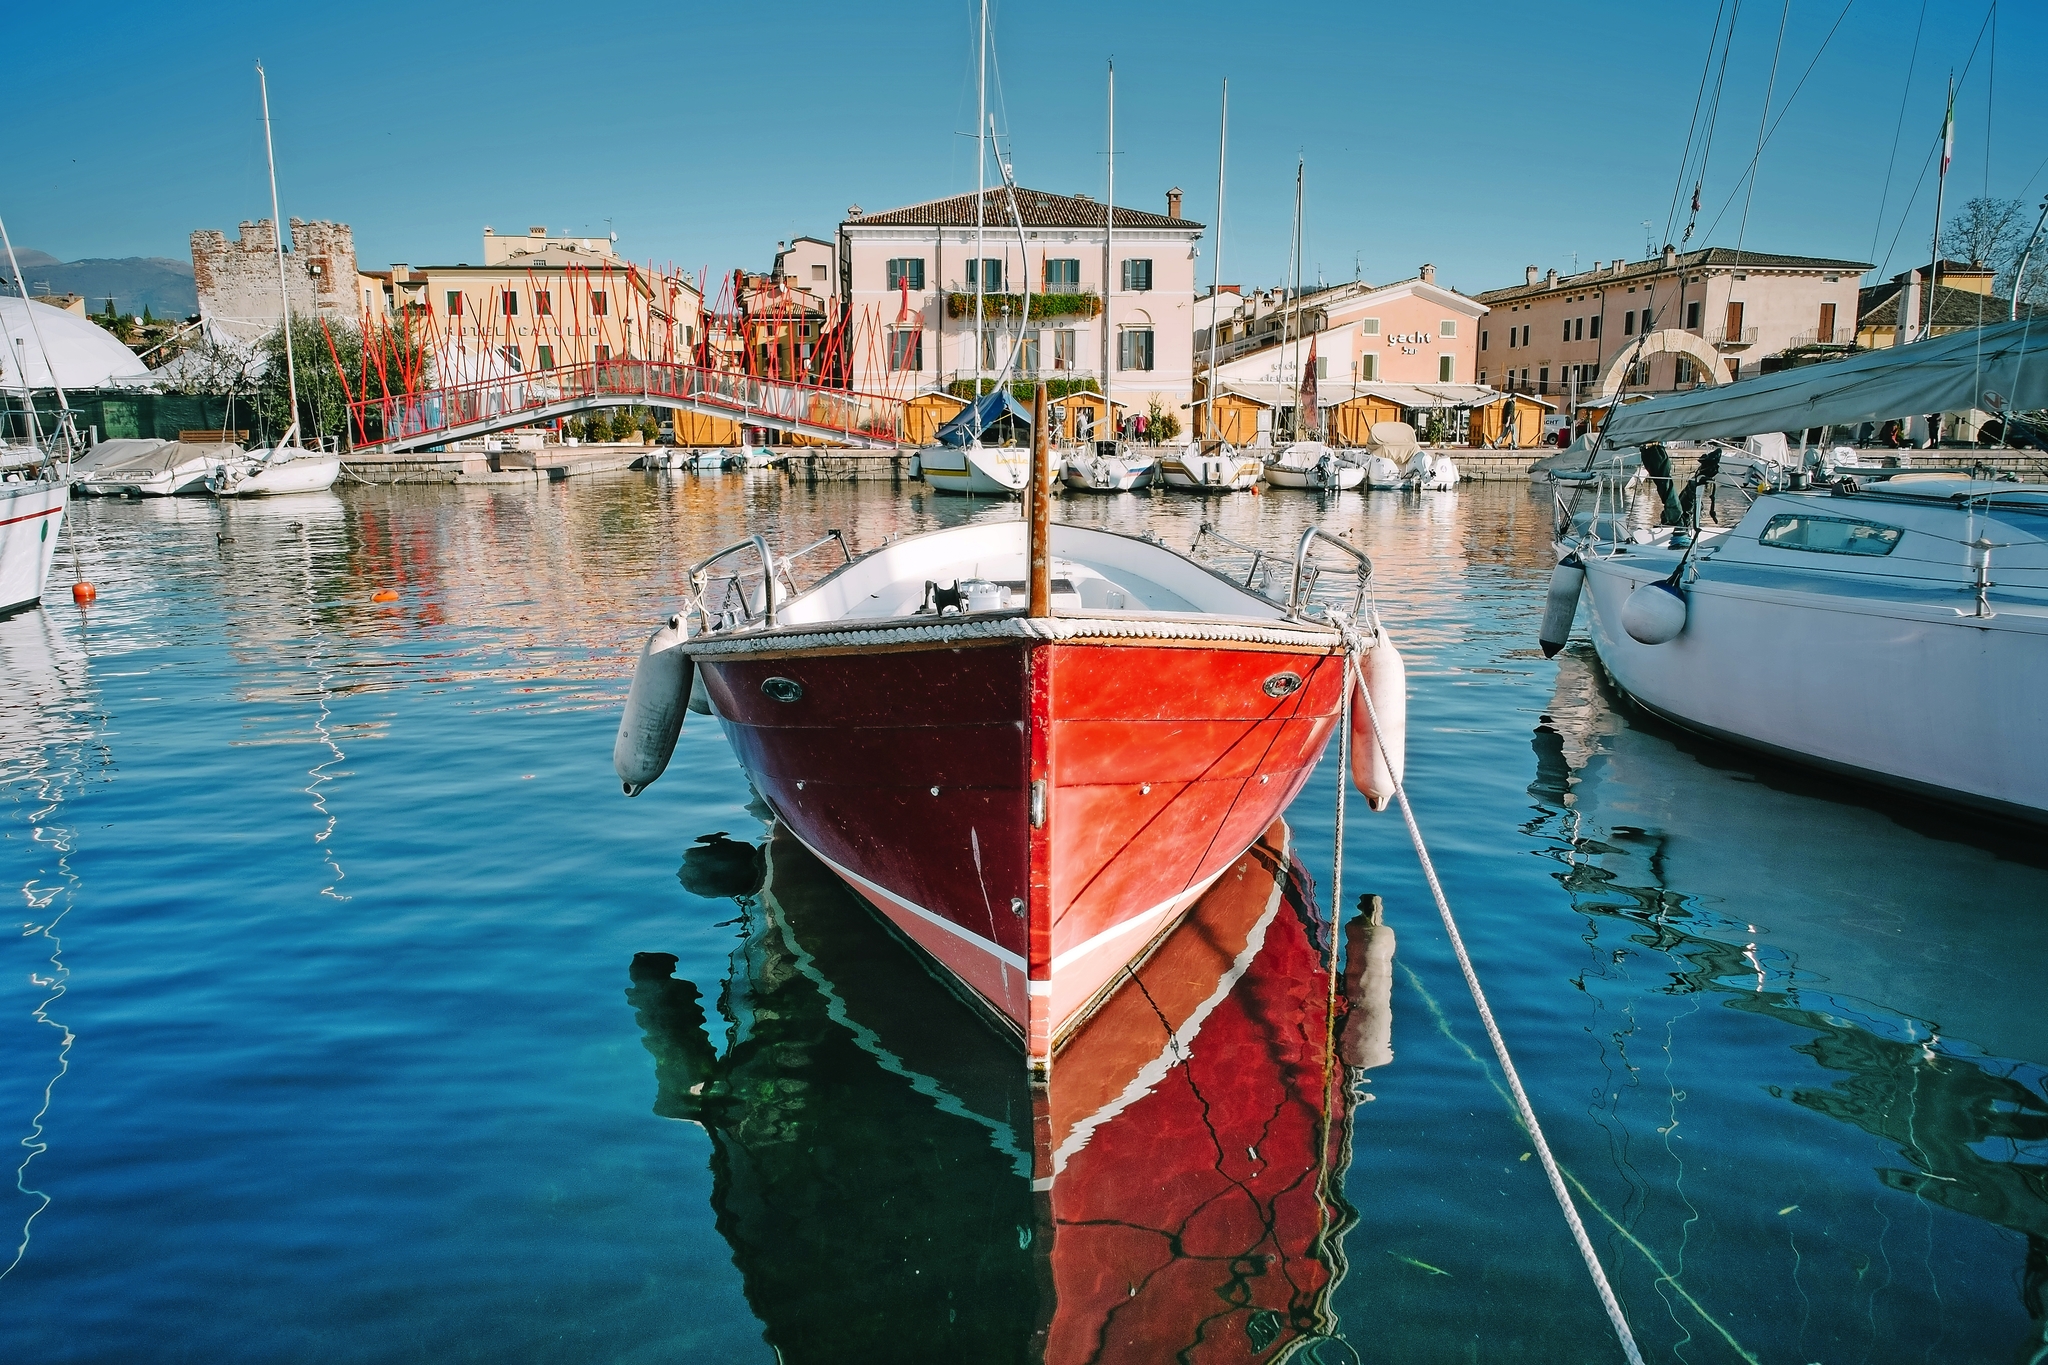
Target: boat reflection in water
(1904,965)
(894,1189)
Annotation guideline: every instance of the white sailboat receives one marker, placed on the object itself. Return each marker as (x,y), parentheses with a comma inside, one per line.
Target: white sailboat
(1891,627)
(35,477)
(159,470)
(1108,467)
(1210,467)
(287,467)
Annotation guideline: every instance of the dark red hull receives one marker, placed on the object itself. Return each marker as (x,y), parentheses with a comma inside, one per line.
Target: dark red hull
(915,770)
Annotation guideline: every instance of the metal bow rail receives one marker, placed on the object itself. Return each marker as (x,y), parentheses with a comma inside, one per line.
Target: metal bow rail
(433,417)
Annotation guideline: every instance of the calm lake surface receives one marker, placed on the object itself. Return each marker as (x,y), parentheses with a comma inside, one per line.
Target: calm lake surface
(355,1015)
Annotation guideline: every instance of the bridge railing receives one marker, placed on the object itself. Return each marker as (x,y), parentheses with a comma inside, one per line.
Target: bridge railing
(743,398)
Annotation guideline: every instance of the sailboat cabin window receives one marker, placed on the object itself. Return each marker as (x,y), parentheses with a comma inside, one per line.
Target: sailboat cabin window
(1829,535)
(906,271)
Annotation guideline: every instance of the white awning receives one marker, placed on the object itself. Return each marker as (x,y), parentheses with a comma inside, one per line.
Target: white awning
(2002,367)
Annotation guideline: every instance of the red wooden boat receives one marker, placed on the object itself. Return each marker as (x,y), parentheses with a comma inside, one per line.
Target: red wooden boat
(1030,746)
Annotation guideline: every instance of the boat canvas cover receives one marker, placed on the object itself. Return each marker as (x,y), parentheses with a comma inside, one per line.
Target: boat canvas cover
(1392,440)
(116,454)
(983,416)
(1999,368)
(167,456)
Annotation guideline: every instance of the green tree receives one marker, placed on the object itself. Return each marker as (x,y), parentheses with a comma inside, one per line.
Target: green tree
(332,374)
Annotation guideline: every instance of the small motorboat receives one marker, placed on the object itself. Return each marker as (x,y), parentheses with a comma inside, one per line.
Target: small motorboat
(1108,467)
(1432,472)
(1390,451)
(273,472)
(163,469)
(1211,467)
(1030,746)
(1313,465)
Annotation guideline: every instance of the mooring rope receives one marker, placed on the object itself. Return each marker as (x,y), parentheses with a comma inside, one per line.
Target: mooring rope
(1500,1047)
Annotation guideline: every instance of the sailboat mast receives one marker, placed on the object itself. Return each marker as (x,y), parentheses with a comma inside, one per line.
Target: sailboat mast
(980,203)
(1109,282)
(284,298)
(1948,142)
(35,428)
(1216,266)
(1298,165)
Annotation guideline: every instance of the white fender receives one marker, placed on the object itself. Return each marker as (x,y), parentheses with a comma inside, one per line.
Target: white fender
(1386,678)
(1654,614)
(1562,605)
(654,708)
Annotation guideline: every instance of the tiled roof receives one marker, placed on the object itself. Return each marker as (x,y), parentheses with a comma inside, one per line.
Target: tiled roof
(1036,207)
(1878,306)
(1714,256)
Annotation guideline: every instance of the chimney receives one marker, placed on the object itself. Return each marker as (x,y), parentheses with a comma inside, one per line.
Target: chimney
(1173,202)
(852,211)
(1909,310)
(1670,256)
(1597,265)
(1550,280)
(487,229)
(1428,273)
(1528,276)
(537,232)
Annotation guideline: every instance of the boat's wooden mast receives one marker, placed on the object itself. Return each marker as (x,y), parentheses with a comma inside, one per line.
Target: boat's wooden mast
(1038,507)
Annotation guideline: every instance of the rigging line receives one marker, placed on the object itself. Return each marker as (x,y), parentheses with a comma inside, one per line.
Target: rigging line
(1714,112)
(1749,171)
(1906,214)
(1770,89)
(1500,1048)
(1912,63)
(1685,158)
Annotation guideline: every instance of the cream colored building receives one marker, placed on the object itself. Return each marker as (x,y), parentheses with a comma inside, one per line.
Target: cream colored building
(537,302)
(1671,321)
(907,278)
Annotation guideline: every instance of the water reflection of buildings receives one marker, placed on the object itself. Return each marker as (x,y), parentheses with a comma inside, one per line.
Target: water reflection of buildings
(1904,965)
(893,1189)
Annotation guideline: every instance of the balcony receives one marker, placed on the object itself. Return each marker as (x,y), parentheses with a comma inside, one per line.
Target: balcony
(1733,340)
(1841,336)
(1079,303)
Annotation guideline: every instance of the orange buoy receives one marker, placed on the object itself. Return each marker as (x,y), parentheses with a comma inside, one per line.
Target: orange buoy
(83,592)
(385,595)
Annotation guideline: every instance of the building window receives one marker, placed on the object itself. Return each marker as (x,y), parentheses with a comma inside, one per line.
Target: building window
(598,307)
(544,358)
(1322,367)
(1368,368)
(455,303)
(604,353)
(1692,315)
(1511,337)
(1525,335)
(1482,376)
(1062,277)
(1649,320)
(1685,369)
(511,304)
(543,305)
(1595,329)
(1370,327)
(512,361)
(1628,323)
(1482,338)
(818,273)
(1447,328)
(1027,358)
(906,271)
(1579,331)
(989,275)
(1064,348)
(906,345)
(1446,368)
(1567,329)
(1138,278)
(1134,346)
(1542,379)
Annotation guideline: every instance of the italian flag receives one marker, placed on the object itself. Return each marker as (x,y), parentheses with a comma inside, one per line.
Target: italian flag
(1948,132)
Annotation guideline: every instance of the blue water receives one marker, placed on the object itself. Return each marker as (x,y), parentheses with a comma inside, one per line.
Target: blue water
(316,1039)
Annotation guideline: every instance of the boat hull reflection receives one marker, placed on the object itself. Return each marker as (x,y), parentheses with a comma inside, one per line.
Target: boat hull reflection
(892,1188)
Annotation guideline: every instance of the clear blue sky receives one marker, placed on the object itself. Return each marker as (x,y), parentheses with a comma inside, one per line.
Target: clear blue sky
(1480,136)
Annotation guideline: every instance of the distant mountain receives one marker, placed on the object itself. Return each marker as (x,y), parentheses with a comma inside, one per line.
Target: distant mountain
(158,283)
